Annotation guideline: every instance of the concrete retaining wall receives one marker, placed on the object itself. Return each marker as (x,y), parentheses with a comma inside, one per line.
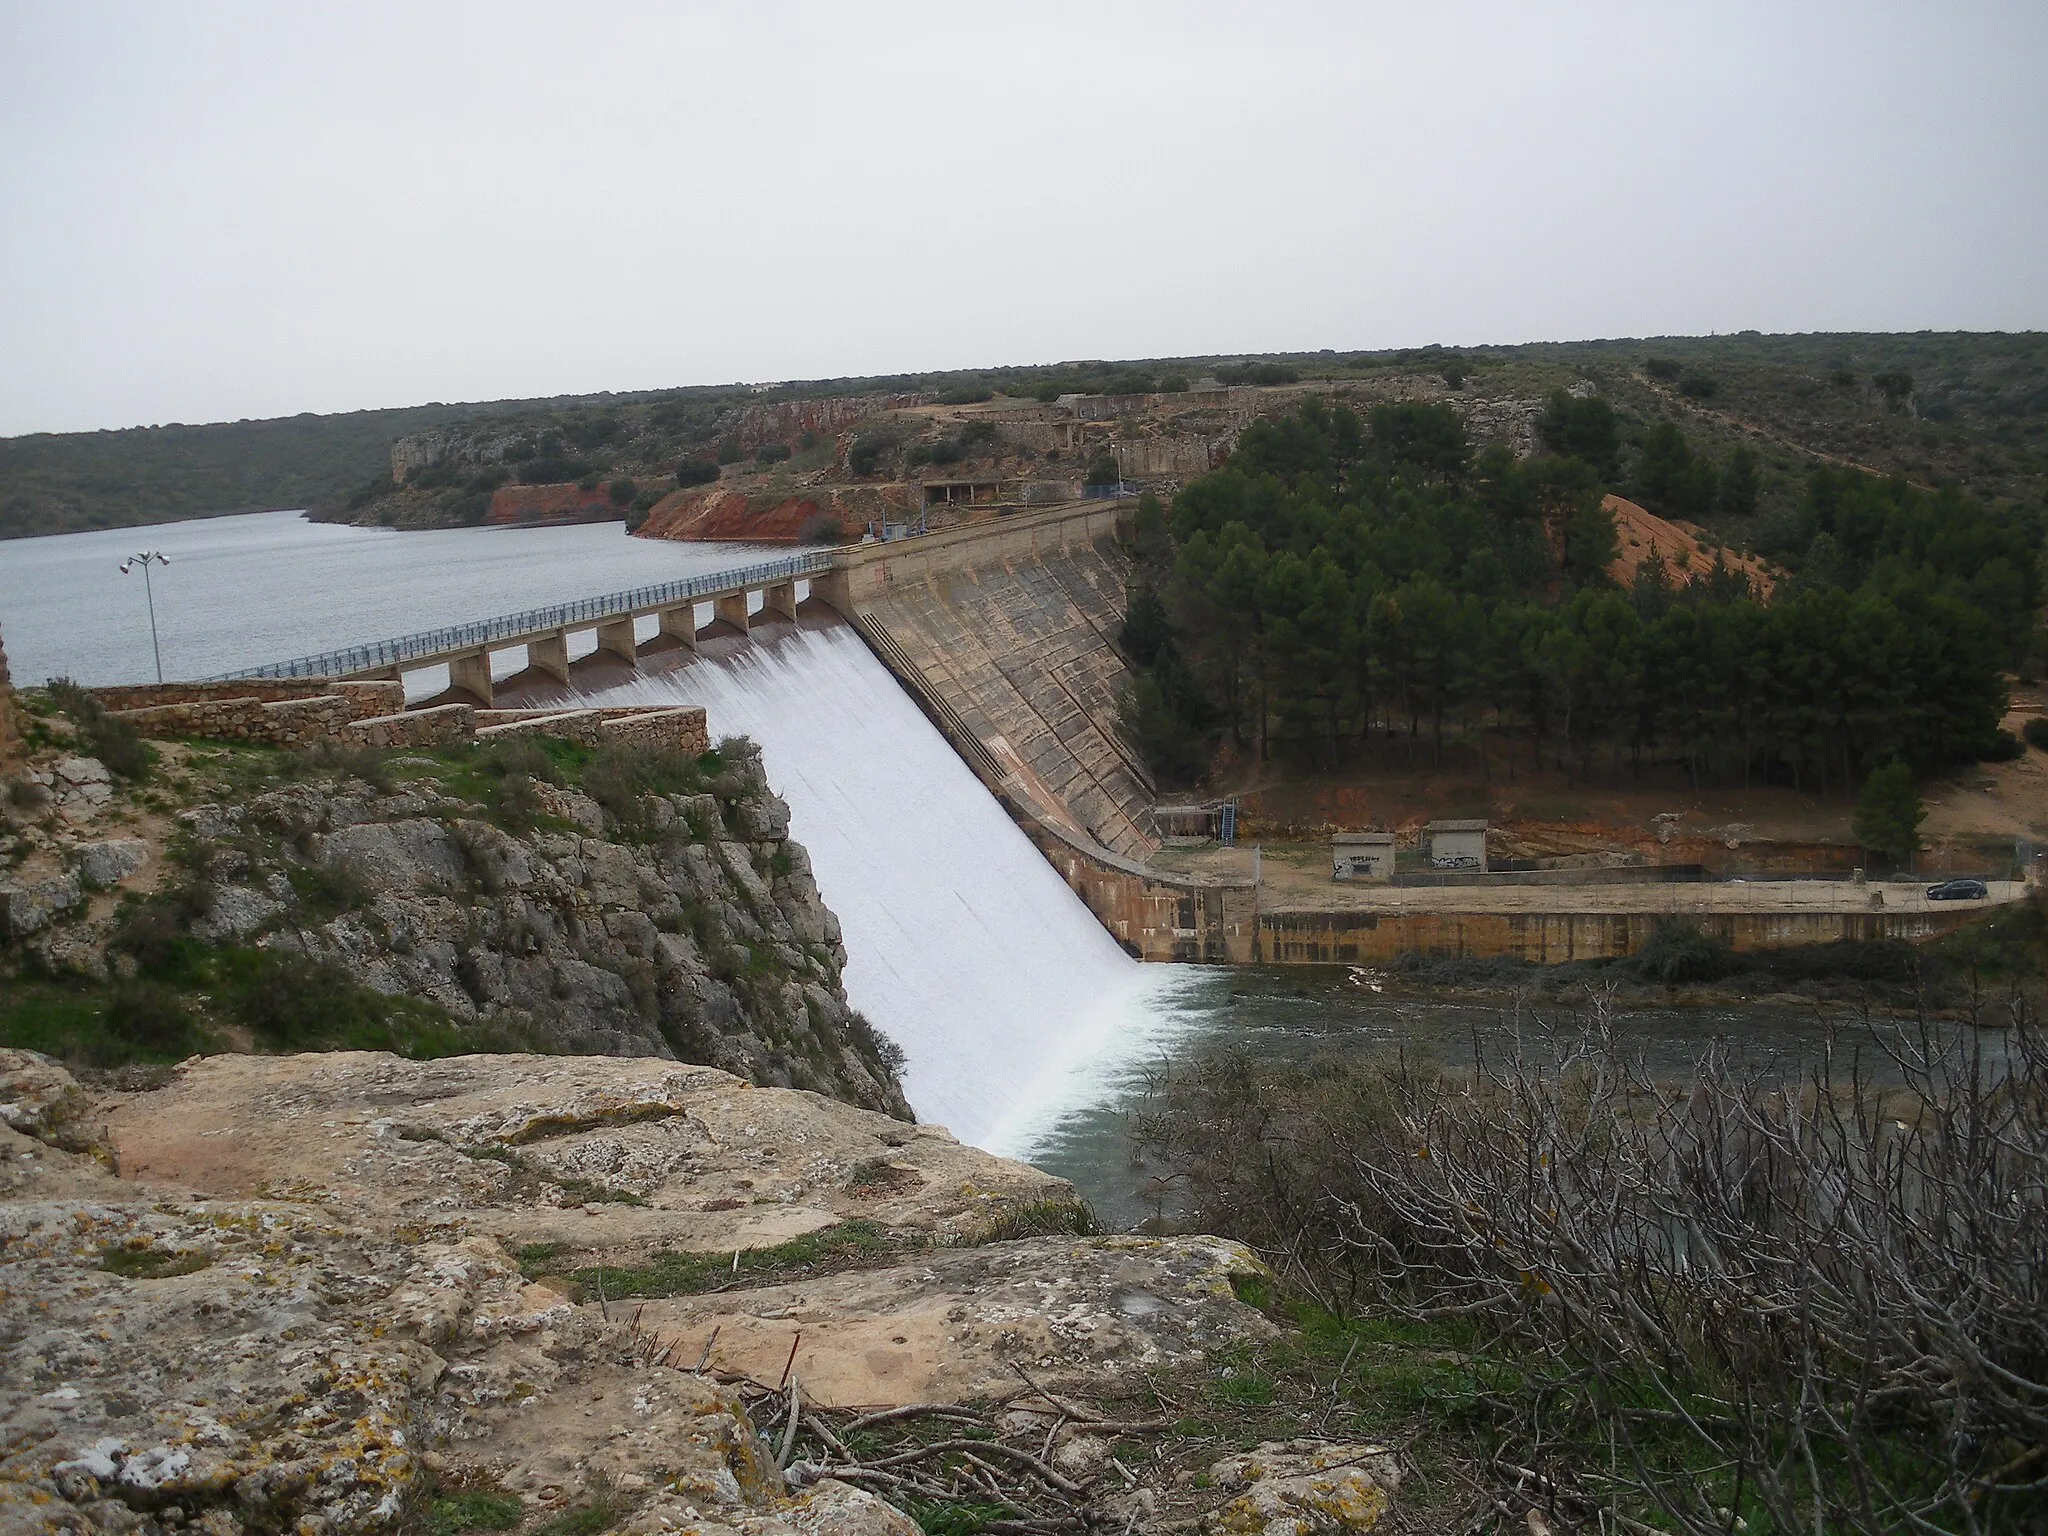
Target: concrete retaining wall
(1549,938)
(1154,915)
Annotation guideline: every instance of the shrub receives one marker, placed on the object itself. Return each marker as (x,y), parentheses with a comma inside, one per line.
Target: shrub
(1679,952)
(822,528)
(114,742)
(1665,368)
(978,434)
(1256,373)
(1699,386)
(153,1019)
(1173,384)
(968,396)
(520,757)
(26,795)
(946,450)
(620,777)
(1812,1305)
(730,451)
(1102,470)
(471,509)
(2004,748)
(2036,732)
(771,453)
(622,491)
(293,1003)
(865,456)
(696,472)
(551,469)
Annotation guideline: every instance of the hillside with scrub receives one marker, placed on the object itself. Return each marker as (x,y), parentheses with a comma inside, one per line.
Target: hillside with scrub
(1962,410)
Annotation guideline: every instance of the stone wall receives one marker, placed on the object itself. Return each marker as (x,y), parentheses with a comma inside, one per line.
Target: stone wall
(291,722)
(445,725)
(684,728)
(365,698)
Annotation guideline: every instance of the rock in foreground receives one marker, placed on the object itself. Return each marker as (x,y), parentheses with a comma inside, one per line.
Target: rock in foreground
(300,1306)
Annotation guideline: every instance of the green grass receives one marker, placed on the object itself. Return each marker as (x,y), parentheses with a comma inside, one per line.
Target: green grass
(596,1513)
(98,1024)
(842,1246)
(137,1261)
(177,1008)
(473,1510)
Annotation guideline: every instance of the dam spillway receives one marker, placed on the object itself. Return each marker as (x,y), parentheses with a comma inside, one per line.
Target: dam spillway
(964,946)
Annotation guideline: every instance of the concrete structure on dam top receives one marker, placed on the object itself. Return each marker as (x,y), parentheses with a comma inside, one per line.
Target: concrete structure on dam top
(1004,632)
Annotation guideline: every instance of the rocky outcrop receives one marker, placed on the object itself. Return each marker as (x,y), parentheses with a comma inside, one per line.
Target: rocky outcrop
(694,933)
(613,1159)
(310,1302)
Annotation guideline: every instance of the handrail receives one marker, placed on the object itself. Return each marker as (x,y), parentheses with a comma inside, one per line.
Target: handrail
(535,621)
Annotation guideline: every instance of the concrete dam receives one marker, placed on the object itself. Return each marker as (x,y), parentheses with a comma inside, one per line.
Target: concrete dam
(1003,632)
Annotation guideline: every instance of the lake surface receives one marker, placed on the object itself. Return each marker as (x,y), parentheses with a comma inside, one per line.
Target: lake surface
(267,586)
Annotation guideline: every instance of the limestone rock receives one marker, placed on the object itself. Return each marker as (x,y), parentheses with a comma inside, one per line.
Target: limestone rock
(28,906)
(234,913)
(1305,1488)
(77,772)
(300,1298)
(945,1328)
(502,1145)
(602,942)
(110,862)
(40,1100)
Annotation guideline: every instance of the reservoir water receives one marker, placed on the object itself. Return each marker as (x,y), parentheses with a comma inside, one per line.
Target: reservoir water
(241,591)
(1027,1030)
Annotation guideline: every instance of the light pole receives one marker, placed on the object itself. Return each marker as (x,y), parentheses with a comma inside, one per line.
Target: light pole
(147,558)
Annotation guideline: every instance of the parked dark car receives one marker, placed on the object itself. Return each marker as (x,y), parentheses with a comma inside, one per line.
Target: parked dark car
(1958,890)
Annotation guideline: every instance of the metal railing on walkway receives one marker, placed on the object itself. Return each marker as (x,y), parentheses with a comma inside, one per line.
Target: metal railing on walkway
(513,627)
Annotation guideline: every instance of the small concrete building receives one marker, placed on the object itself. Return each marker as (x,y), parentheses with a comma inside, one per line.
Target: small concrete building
(1362,856)
(1456,844)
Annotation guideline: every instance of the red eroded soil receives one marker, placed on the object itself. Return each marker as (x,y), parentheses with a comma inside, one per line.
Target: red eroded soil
(551,504)
(1641,533)
(724,514)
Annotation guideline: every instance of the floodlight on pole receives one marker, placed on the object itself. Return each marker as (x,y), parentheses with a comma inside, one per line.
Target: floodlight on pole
(146,559)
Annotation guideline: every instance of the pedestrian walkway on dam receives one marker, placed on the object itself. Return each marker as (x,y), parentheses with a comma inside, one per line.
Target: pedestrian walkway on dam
(466,649)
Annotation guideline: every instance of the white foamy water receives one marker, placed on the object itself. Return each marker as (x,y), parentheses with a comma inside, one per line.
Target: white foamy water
(1013,1005)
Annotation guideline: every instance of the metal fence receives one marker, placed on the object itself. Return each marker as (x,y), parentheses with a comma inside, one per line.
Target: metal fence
(536,621)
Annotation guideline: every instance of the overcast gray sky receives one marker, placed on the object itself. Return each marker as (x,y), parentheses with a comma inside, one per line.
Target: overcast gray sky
(219,210)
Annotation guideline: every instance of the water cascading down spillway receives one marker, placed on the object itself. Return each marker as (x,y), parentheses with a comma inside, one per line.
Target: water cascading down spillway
(963,945)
